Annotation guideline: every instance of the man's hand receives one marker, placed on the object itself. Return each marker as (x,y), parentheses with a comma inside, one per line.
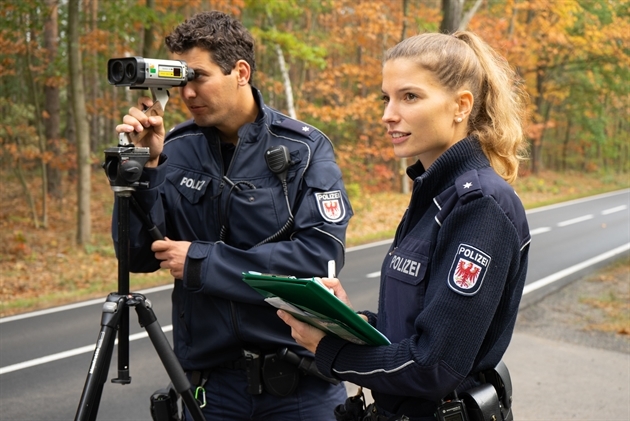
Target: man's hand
(137,121)
(303,333)
(172,254)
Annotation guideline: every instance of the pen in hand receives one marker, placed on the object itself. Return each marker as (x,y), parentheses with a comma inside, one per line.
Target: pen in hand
(331,269)
(331,274)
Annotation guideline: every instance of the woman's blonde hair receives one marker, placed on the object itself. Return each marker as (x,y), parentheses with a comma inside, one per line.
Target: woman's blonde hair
(465,61)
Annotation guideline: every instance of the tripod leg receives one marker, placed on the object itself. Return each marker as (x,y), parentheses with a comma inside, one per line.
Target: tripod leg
(99,367)
(169,360)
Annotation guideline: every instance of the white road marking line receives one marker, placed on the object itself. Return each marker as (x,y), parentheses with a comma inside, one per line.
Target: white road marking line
(576,201)
(70,353)
(533,286)
(539,230)
(75,305)
(575,220)
(615,209)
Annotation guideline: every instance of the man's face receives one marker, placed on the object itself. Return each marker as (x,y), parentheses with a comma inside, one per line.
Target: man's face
(211,96)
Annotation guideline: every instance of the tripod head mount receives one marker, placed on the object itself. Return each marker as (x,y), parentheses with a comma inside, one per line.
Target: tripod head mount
(123,166)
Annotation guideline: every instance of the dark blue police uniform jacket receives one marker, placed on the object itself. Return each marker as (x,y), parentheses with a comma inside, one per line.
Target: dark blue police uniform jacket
(215,313)
(450,287)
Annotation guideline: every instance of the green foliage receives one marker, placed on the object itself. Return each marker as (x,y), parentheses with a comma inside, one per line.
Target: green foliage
(354,191)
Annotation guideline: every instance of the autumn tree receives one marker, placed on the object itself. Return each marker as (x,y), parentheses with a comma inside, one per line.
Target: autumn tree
(565,50)
(22,132)
(75,65)
(52,104)
(572,55)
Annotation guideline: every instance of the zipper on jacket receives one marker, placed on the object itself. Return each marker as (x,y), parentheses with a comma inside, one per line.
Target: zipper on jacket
(234,324)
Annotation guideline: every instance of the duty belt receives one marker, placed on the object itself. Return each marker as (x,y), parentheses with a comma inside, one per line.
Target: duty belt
(277,373)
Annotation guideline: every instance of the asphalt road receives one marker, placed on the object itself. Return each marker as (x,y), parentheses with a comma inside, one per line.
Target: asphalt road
(44,356)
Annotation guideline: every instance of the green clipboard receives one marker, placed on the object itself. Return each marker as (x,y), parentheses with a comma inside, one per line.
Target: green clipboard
(309,301)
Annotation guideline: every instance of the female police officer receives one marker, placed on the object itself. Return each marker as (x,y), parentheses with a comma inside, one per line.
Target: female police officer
(451,101)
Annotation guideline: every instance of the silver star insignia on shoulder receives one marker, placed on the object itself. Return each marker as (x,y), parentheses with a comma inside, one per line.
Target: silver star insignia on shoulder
(305,129)
(468,185)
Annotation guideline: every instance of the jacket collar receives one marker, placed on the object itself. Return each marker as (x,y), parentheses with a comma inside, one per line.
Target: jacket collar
(463,156)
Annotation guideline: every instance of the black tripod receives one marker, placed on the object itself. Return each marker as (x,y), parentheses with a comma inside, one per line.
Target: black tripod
(123,166)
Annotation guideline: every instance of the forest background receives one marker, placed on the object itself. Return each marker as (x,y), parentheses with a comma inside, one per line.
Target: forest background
(317,60)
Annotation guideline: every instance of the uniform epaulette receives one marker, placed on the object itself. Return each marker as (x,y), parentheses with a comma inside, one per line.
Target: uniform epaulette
(468,185)
(297,127)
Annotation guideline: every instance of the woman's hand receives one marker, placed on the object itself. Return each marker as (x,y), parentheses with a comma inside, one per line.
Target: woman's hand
(303,333)
(338,290)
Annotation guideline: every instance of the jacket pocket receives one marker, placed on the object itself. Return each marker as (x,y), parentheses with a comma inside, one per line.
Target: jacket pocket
(189,184)
(403,291)
(409,264)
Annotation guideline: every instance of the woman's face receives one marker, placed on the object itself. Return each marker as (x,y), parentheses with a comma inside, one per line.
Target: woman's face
(419,112)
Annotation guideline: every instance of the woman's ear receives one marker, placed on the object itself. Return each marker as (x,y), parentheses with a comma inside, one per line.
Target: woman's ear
(465,103)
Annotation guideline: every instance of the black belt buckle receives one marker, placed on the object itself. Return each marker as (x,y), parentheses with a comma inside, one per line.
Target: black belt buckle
(252,368)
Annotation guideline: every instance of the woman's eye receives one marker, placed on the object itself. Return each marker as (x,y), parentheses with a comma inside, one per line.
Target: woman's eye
(410,97)
(385,99)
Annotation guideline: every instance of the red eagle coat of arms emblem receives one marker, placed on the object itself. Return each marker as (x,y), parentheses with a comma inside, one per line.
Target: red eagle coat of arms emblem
(466,274)
(330,205)
(468,270)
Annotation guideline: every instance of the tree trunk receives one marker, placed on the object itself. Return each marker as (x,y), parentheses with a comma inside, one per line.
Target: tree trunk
(41,140)
(284,71)
(451,15)
(468,16)
(52,119)
(537,144)
(93,77)
(404,179)
(288,90)
(147,43)
(81,125)
(565,145)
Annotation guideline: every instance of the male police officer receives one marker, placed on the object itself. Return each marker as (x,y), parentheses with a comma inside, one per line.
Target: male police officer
(224,210)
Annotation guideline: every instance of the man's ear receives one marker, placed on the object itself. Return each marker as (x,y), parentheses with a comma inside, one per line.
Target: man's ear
(244,72)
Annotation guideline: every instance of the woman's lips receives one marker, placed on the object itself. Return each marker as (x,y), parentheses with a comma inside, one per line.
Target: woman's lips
(399,137)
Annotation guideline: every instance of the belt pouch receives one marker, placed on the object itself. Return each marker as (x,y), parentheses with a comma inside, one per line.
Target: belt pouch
(165,405)
(482,403)
(279,377)
(252,368)
(352,410)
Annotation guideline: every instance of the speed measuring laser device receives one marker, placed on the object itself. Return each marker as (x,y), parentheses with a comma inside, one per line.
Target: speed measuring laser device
(123,164)
(145,73)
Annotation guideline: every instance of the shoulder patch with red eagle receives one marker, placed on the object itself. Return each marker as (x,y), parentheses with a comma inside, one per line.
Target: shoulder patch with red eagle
(330,205)
(468,270)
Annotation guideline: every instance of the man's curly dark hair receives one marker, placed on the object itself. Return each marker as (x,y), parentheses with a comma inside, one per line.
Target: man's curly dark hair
(225,38)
